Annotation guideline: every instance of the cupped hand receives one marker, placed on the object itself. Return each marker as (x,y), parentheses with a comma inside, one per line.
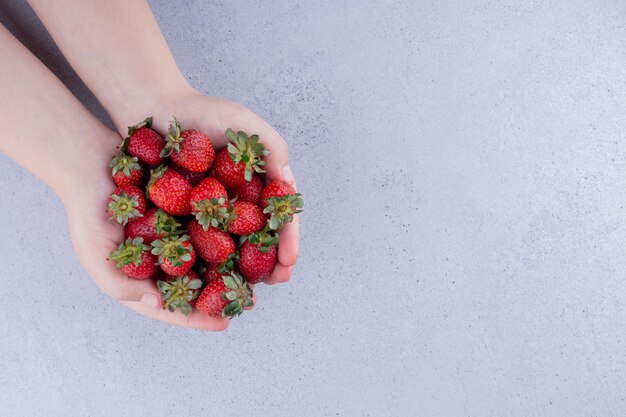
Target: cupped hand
(94,236)
(213,116)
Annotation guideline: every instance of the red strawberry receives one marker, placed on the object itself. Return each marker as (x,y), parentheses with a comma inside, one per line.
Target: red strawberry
(226,296)
(180,292)
(154,224)
(250,191)
(276,188)
(126,204)
(280,201)
(246,218)
(176,254)
(135,259)
(193,177)
(191,149)
(235,164)
(145,143)
(169,191)
(213,245)
(211,273)
(209,203)
(255,265)
(226,171)
(126,170)
(257,255)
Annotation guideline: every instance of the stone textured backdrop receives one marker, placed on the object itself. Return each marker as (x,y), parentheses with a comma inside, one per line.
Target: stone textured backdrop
(463,244)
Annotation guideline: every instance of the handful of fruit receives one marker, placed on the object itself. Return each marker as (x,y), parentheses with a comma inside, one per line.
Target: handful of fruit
(203,225)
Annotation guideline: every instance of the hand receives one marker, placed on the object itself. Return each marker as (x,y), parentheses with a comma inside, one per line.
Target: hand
(213,116)
(94,236)
(69,149)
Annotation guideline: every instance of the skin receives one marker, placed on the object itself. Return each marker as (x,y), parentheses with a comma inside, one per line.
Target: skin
(117,49)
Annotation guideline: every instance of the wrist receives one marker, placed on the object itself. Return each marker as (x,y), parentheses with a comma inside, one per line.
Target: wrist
(143,102)
(86,166)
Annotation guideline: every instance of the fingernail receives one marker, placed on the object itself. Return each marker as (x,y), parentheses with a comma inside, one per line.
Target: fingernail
(150,300)
(287,174)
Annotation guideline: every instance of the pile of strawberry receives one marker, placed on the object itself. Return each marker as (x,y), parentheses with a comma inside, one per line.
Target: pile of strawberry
(203,225)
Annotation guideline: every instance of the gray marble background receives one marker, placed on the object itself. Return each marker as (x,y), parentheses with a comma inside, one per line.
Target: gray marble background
(463,244)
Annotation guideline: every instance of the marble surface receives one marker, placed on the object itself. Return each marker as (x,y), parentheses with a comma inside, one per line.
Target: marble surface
(463,244)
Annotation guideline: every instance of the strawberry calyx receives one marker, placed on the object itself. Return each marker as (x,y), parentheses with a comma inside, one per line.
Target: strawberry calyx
(239,295)
(155,174)
(172,249)
(124,163)
(123,208)
(173,138)
(282,209)
(129,251)
(178,292)
(264,238)
(147,122)
(229,264)
(212,212)
(247,150)
(166,224)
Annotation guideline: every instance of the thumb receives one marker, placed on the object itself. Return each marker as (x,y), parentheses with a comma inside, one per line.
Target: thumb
(122,288)
(119,287)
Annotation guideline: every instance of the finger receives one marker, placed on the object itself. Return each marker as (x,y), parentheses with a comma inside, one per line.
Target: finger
(280,274)
(195,320)
(118,286)
(287,176)
(270,281)
(289,242)
(123,288)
